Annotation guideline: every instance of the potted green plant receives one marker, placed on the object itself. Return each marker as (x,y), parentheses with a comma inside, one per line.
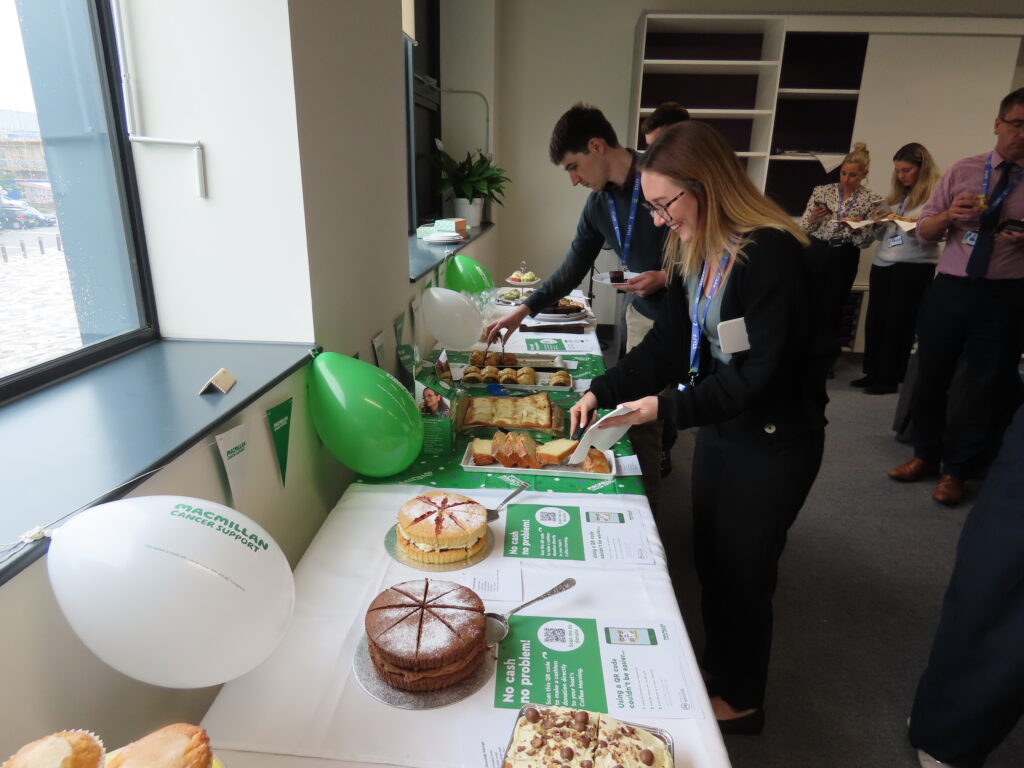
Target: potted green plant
(472,181)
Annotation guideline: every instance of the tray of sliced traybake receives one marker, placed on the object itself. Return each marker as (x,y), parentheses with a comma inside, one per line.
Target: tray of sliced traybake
(481,415)
(525,378)
(519,453)
(551,735)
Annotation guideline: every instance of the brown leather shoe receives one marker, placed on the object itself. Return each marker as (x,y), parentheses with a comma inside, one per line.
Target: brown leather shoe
(949,491)
(913,470)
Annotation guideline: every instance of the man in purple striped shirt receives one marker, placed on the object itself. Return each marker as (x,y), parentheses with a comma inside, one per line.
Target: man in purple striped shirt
(974,305)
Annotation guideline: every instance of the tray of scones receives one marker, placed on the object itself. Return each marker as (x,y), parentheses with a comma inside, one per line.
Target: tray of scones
(525,378)
(520,453)
(511,371)
(541,362)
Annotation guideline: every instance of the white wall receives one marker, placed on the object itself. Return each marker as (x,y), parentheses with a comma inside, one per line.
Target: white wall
(468,58)
(232,266)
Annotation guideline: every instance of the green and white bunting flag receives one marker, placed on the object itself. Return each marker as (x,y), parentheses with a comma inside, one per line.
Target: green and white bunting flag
(279,418)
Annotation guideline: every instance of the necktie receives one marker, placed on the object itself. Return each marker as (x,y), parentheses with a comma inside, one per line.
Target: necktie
(977,264)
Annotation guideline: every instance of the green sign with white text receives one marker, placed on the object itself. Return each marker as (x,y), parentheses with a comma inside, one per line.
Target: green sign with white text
(543,532)
(550,661)
(545,345)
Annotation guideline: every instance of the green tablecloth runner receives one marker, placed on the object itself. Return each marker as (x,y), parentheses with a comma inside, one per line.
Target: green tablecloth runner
(445,472)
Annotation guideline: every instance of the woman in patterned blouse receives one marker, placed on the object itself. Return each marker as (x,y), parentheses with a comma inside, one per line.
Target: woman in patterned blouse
(830,210)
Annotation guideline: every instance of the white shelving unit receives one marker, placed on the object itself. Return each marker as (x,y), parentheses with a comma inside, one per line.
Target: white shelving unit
(838,94)
(699,51)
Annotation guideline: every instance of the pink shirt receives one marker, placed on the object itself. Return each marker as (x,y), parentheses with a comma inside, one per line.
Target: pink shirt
(965,176)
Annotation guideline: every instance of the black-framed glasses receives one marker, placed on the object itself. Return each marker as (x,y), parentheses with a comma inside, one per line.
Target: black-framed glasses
(662,210)
(1017,125)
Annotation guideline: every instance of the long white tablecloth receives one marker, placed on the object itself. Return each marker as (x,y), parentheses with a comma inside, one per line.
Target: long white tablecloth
(303,706)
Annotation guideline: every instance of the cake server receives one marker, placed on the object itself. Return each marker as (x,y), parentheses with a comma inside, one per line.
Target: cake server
(496,628)
(492,514)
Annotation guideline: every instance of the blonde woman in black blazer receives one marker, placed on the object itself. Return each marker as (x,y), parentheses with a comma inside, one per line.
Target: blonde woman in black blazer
(760,410)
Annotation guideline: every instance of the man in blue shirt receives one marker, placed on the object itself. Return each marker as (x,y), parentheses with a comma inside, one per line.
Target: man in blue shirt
(585,146)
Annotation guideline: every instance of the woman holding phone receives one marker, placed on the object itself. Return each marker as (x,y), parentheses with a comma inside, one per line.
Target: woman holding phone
(735,261)
(830,211)
(901,271)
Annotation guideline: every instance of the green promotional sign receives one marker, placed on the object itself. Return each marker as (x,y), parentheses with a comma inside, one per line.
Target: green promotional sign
(280,419)
(543,532)
(407,356)
(437,436)
(399,328)
(552,662)
(545,345)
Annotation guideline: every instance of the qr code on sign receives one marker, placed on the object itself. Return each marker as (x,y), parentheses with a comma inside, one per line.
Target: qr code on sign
(554,635)
(547,516)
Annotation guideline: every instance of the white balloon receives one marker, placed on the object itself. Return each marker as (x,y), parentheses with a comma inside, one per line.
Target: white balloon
(172,590)
(452,318)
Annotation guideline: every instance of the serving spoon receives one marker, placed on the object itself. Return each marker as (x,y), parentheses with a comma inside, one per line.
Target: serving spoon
(496,628)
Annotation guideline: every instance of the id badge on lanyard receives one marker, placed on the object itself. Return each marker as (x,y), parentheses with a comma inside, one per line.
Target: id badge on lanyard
(698,321)
(896,240)
(624,244)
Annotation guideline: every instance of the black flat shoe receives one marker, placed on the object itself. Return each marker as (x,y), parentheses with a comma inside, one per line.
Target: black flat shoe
(748,725)
(880,389)
(863,381)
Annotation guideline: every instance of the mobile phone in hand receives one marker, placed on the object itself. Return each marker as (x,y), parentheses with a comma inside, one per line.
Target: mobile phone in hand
(820,204)
(1010,226)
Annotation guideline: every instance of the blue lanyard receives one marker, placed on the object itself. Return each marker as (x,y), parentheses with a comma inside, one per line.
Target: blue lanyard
(987,177)
(632,216)
(899,211)
(698,321)
(839,208)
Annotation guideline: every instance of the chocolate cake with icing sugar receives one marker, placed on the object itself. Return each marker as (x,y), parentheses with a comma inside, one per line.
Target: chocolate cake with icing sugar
(426,634)
(441,527)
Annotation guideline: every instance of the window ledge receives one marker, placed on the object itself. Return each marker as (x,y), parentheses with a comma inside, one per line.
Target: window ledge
(87,439)
(423,256)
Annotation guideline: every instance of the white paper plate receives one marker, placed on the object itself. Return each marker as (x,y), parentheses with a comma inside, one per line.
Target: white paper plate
(603,279)
(444,237)
(559,318)
(602,439)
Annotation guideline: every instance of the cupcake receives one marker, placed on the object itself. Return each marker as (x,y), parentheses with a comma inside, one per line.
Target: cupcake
(67,749)
(174,746)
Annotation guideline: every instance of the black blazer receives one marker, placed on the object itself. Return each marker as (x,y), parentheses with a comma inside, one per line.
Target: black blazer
(777,387)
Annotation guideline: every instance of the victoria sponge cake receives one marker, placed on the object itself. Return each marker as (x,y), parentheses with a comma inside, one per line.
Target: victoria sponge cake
(441,527)
(426,634)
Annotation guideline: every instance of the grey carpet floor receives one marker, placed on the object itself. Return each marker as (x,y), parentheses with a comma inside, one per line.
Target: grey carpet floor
(860,589)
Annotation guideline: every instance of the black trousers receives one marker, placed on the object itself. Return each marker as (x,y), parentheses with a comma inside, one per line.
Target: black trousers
(972,692)
(841,263)
(747,489)
(985,319)
(894,301)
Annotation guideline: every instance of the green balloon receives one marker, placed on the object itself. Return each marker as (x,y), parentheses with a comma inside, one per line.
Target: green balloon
(364,416)
(466,274)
